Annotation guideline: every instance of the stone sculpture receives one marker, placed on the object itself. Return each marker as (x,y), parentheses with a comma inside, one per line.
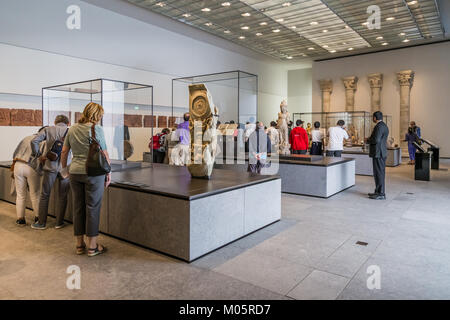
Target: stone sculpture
(282,124)
(406,80)
(376,83)
(326,87)
(350,84)
(202,126)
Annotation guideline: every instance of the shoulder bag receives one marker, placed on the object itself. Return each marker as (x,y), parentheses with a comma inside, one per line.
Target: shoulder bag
(96,163)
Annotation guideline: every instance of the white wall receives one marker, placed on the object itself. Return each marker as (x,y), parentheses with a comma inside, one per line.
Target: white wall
(37,50)
(300,90)
(430,106)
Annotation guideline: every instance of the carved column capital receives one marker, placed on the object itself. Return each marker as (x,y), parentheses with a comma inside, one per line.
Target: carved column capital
(350,83)
(406,78)
(326,85)
(375,80)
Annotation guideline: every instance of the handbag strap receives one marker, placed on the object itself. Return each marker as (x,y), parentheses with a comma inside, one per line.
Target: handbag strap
(93,131)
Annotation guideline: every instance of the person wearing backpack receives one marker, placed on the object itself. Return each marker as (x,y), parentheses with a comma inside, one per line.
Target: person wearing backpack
(51,167)
(158,146)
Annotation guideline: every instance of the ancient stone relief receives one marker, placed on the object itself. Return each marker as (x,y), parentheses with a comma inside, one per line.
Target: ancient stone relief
(202,126)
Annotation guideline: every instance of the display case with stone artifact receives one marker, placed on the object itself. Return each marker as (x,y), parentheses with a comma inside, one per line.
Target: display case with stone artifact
(282,124)
(202,126)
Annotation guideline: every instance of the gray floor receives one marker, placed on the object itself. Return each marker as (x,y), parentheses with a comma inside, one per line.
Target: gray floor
(310,254)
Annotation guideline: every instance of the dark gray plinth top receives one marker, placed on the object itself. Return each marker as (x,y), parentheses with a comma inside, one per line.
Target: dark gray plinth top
(176,182)
(355,152)
(325,162)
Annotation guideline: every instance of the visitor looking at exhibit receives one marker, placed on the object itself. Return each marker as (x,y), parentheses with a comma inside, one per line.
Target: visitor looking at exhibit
(181,153)
(413,135)
(299,139)
(378,153)
(336,137)
(27,176)
(87,191)
(50,159)
(274,135)
(317,137)
(159,146)
(259,148)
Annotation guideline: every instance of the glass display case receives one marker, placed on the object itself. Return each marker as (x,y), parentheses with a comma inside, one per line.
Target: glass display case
(358,125)
(128,119)
(235,94)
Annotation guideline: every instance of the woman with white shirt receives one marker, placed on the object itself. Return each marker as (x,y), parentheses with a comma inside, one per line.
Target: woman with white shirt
(317,137)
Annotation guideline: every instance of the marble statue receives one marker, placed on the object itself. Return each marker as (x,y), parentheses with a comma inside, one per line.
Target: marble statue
(282,124)
(203,131)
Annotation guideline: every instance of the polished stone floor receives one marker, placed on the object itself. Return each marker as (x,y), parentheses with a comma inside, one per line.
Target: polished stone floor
(310,254)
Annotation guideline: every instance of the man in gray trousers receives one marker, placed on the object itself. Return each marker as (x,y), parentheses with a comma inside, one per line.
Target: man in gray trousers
(51,174)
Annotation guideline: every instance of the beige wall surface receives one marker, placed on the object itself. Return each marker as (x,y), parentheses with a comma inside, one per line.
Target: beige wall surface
(430,101)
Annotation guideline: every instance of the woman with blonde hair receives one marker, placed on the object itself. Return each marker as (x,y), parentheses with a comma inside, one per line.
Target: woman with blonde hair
(87,191)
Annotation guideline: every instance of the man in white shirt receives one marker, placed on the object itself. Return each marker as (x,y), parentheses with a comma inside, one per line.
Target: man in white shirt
(317,140)
(336,137)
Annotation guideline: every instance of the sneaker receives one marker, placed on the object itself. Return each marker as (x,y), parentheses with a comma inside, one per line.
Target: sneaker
(36,219)
(60,226)
(21,222)
(38,226)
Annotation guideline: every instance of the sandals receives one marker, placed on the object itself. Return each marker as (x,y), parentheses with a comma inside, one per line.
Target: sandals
(81,249)
(96,251)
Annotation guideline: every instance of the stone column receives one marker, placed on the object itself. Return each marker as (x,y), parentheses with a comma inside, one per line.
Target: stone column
(406,80)
(350,84)
(326,86)
(376,83)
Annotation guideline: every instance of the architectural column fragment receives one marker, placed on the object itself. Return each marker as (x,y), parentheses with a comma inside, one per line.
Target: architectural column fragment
(350,84)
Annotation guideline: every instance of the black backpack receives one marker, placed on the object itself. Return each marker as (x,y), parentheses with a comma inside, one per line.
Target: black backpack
(55,152)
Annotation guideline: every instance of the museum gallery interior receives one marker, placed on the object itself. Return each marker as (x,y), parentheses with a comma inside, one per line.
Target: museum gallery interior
(238,150)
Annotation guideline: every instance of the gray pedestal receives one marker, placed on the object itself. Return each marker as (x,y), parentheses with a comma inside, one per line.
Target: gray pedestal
(394,157)
(363,165)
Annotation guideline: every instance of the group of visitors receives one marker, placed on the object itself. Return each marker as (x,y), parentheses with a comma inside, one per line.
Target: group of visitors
(43,159)
(172,146)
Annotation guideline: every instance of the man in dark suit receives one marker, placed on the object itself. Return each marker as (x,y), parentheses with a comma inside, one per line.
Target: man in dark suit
(378,153)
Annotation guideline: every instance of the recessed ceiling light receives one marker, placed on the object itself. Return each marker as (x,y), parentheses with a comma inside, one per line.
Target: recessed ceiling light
(344,43)
(311,48)
(241,37)
(333,51)
(245,28)
(227,31)
(246,14)
(226,4)
(390,18)
(402,34)
(263,23)
(384,44)
(379,38)
(406,40)
(289,57)
(365,23)
(293,27)
(286,4)
(258,34)
(279,20)
(325,31)
(350,49)
(410,3)
(276,30)
(325,46)
(314,23)
(186,15)
(208,24)
(347,27)
(206,9)
(161,4)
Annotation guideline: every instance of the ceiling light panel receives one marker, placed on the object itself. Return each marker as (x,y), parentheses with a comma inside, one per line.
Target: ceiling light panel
(301,24)
(311,18)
